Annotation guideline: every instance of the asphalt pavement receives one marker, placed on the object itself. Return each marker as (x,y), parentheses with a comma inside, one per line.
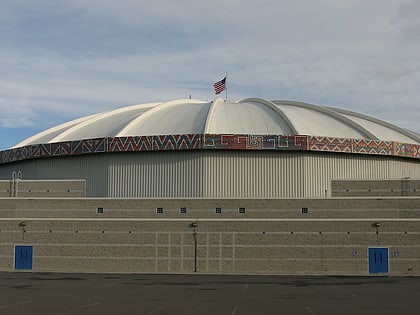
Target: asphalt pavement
(60,294)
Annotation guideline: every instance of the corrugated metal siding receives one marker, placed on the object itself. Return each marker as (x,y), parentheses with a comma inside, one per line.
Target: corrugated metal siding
(321,168)
(399,168)
(243,174)
(214,173)
(209,174)
(255,174)
(155,174)
(91,168)
(28,170)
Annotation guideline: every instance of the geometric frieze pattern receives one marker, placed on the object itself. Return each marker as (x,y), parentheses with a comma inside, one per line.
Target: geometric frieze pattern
(154,143)
(209,142)
(330,144)
(373,147)
(406,149)
(254,142)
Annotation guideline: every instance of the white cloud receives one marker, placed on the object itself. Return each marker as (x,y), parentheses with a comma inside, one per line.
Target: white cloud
(61,60)
(407,20)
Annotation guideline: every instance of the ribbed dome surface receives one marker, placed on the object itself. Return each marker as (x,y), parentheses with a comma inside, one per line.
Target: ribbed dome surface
(249,116)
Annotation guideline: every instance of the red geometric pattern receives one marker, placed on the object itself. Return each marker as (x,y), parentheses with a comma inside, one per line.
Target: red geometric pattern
(330,144)
(405,149)
(98,145)
(372,147)
(255,142)
(128,144)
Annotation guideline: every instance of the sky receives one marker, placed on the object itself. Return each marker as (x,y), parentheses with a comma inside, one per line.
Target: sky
(64,59)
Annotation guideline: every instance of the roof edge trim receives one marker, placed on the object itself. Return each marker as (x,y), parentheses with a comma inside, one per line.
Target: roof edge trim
(212,142)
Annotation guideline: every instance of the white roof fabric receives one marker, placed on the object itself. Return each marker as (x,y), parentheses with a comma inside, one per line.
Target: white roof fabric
(249,116)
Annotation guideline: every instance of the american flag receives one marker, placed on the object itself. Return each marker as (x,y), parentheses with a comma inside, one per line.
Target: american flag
(220,86)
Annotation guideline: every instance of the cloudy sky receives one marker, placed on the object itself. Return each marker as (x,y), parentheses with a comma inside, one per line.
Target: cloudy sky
(63,59)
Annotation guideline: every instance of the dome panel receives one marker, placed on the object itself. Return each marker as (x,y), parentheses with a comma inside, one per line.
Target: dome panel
(311,122)
(250,116)
(103,125)
(385,132)
(170,118)
(230,117)
(48,135)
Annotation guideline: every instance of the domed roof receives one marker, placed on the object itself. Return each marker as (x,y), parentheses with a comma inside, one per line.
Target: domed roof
(249,116)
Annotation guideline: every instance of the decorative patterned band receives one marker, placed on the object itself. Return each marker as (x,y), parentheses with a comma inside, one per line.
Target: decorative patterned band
(211,141)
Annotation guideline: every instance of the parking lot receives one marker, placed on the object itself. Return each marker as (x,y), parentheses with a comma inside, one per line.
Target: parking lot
(52,293)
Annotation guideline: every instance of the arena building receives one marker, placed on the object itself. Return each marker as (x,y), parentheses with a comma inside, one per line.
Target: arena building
(222,149)
(250,186)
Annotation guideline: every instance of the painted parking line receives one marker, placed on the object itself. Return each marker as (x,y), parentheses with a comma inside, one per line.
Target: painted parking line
(156,310)
(346,291)
(244,289)
(235,309)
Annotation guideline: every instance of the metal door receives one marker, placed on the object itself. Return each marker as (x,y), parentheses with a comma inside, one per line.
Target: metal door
(23,257)
(378,260)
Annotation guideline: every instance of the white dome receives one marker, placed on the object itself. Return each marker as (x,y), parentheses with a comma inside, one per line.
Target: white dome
(249,116)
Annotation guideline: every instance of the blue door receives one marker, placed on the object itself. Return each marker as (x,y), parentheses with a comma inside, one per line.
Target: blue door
(23,257)
(378,260)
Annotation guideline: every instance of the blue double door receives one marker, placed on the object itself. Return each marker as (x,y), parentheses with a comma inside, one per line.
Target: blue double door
(378,260)
(23,257)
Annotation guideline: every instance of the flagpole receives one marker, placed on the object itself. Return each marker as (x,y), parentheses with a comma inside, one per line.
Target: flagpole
(226,83)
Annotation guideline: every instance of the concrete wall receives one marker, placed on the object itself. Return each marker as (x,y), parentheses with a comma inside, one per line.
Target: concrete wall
(385,187)
(274,236)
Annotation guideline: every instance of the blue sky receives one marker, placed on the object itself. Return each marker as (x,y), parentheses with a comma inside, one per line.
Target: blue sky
(63,59)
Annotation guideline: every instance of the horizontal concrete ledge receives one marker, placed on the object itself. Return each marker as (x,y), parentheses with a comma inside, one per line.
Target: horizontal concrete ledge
(139,199)
(217,220)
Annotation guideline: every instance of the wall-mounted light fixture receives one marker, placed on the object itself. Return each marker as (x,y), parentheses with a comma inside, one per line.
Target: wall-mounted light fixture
(22,224)
(376,225)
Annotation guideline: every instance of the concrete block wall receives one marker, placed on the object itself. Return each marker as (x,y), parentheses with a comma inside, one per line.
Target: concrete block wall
(42,188)
(369,188)
(274,236)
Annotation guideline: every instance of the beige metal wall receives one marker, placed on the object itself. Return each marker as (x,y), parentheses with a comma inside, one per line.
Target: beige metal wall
(245,174)
(156,174)
(92,168)
(214,173)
